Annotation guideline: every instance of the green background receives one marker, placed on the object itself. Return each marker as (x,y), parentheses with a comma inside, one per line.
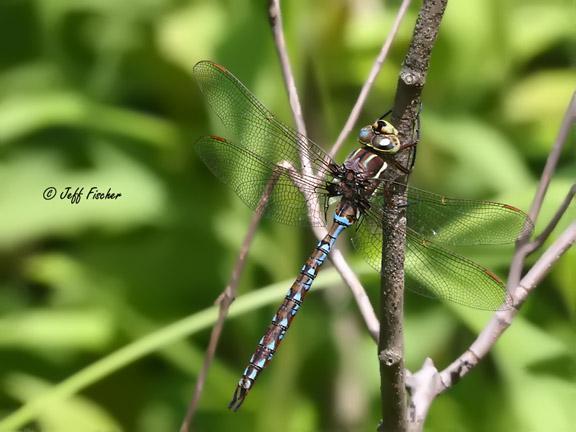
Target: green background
(100,93)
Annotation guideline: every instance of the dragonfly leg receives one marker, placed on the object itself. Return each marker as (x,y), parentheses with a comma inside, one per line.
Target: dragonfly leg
(401,167)
(416,136)
(406,146)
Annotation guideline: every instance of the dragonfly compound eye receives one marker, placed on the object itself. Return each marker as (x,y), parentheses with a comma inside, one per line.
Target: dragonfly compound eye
(384,144)
(366,134)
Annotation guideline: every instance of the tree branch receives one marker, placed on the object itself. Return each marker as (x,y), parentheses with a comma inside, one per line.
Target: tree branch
(543,236)
(553,158)
(503,319)
(523,246)
(275,17)
(427,383)
(404,116)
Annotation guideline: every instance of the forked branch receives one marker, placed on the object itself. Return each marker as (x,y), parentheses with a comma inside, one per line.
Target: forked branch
(427,383)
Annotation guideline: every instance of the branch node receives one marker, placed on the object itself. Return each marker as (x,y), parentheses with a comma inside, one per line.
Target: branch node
(412,77)
(423,387)
(520,295)
(390,357)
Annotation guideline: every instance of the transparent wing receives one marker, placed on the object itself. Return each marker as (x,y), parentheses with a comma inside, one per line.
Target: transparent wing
(433,271)
(249,176)
(452,221)
(251,125)
(444,274)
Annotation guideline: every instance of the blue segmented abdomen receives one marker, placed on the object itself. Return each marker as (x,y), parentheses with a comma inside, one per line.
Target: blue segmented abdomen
(343,218)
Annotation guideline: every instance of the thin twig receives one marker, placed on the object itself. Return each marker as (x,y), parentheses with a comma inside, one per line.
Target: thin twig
(405,116)
(360,296)
(224,301)
(503,319)
(543,236)
(275,17)
(336,257)
(541,268)
(376,67)
(523,247)
(553,158)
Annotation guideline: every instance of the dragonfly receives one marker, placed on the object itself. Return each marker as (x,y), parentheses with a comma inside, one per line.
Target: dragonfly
(266,157)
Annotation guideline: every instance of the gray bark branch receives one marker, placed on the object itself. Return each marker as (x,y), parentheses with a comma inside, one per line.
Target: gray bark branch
(405,117)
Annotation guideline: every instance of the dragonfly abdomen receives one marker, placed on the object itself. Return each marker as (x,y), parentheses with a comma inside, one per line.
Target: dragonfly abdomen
(283,317)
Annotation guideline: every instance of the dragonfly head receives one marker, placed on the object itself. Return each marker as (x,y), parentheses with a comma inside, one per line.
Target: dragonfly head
(380,136)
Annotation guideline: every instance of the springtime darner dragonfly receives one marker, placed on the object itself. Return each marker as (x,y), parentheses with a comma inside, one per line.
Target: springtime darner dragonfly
(264,150)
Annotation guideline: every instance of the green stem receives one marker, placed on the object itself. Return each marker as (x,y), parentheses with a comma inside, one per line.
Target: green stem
(149,344)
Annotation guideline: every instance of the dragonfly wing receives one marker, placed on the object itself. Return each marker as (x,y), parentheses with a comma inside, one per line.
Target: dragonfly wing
(456,222)
(252,125)
(460,222)
(434,271)
(289,201)
(437,272)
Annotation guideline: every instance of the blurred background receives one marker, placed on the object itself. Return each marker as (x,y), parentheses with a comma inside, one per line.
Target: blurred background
(100,93)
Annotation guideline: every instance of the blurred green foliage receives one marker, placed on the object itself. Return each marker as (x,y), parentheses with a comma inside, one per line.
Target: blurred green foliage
(99,93)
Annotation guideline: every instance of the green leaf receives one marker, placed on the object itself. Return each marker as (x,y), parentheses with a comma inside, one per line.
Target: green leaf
(483,157)
(202,22)
(555,412)
(24,114)
(539,102)
(43,330)
(63,274)
(150,343)
(534,27)
(75,414)
(26,215)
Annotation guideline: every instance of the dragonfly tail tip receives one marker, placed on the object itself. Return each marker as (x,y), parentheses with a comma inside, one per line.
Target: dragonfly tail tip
(237,399)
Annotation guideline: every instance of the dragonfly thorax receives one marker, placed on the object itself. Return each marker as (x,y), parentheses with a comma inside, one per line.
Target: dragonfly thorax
(363,165)
(357,178)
